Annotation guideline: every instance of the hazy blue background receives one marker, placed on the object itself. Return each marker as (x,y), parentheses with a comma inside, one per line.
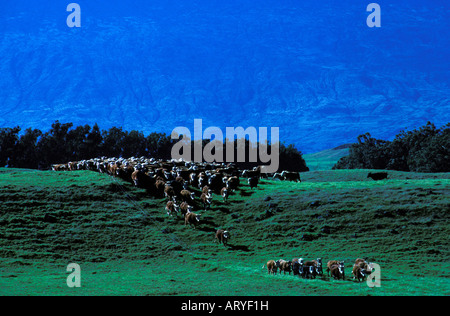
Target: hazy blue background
(313,68)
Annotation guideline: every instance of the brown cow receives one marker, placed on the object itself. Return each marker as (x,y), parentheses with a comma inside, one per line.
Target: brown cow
(222,236)
(191,219)
(333,262)
(284,265)
(185,208)
(171,208)
(206,199)
(271,267)
(337,270)
(360,269)
(187,196)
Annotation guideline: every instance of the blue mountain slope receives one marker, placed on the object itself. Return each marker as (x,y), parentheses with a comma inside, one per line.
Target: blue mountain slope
(312,68)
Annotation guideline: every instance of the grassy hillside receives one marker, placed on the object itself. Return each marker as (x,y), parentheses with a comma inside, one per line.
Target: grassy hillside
(126,244)
(326,159)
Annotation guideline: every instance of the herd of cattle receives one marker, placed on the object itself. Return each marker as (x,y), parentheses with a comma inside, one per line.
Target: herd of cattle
(311,269)
(175,180)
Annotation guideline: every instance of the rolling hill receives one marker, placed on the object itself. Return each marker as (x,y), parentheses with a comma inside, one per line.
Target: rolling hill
(127,245)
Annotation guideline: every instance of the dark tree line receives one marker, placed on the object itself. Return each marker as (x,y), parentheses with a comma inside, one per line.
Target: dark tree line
(426,149)
(35,149)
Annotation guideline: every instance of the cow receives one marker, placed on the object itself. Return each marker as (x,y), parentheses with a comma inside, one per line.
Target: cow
(307,271)
(251,173)
(192,219)
(187,196)
(317,266)
(206,200)
(271,267)
(232,183)
(193,178)
(171,208)
(297,265)
(284,266)
(215,182)
(159,187)
(360,268)
(291,176)
(169,192)
(377,175)
(337,270)
(202,180)
(360,272)
(333,262)
(253,182)
(224,192)
(222,236)
(185,208)
(60,167)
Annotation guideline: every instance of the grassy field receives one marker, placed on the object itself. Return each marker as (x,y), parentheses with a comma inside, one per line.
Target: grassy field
(126,244)
(325,159)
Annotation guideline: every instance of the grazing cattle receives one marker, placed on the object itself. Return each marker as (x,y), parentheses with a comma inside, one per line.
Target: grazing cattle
(377,175)
(185,208)
(187,196)
(291,176)
(222,236)
(284,266)
(171,208)
(191,219)
(337,270)
(206,200)
(271,267)
(224,193)
(253,182)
